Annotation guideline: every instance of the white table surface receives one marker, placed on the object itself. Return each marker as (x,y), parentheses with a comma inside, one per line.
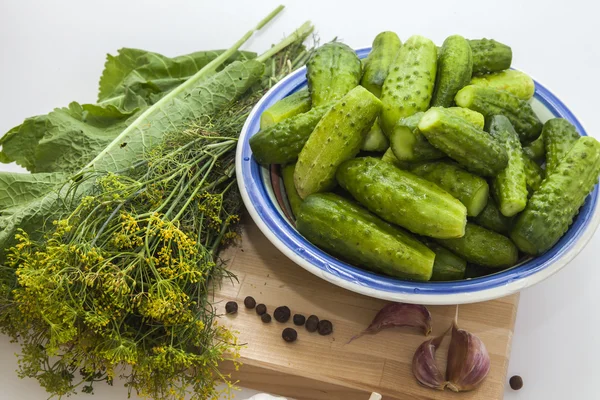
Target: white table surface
(52,53)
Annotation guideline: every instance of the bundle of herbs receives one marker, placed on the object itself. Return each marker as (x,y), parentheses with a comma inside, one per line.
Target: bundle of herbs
(111,252)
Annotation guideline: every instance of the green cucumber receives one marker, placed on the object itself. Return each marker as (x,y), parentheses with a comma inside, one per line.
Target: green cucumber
(491,218)
(469,189)
(509,186)
(376,140)
(335,139)
(559,137)
(287,174)
(350,232)
(377,64)
(477,271)
(403,198)
(409,85)
(475,118)
(490,102)
(516,82)
(483,247)
(294,104)
(490,56)
(553,206)
(472,148)
(332,71)
(447,266)
(409,144)
(454,70)
(281,143)
(534,175)
(535,150)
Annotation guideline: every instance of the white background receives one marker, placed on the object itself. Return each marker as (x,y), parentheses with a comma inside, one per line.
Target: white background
(52,53)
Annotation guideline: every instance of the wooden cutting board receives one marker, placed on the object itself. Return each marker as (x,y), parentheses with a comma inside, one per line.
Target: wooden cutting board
(327,367)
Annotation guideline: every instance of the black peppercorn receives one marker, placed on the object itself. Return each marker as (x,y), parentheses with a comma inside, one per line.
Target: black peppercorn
(261,309)
(289,335)
(516,382)
(266,318)
(325,327)
(299,319)
(231,307)
(249,302)
(312,323)
(282,314)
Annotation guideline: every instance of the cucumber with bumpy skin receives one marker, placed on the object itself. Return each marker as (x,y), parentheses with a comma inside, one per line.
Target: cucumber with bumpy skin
(294,104)
(491,218)
(287,174)
(559,137)
(475,118)
(454,70)
(472,148)
(490,56)
(281,143)
(469,189)
(375,140)
(516,82)
(447,266)
(349,231)
(483,247)
(534,175)
(409,85)
(403,198)
(535,150)
(332,71)
(509,186)
(490,102)
(336,138)
(553,206)
(377,64)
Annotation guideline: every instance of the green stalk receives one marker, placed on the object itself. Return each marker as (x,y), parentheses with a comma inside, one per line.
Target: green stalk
(299,33)
(209,69)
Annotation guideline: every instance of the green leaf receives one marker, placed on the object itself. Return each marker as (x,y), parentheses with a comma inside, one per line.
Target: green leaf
(19,188)
(64,140)
(189,102)
(137,78)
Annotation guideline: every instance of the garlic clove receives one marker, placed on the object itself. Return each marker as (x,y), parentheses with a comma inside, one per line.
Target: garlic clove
(468,361)
(424,366)
(399,314)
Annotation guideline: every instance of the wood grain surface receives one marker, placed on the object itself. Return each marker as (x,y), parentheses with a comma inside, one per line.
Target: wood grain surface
(327,367)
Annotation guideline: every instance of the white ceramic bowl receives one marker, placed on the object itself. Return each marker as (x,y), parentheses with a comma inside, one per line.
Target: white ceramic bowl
(261,187)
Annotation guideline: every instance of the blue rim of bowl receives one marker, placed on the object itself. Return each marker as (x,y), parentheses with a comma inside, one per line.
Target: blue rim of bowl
(252,180)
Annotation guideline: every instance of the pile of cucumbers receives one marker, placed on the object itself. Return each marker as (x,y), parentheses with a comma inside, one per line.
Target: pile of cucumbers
(425,163)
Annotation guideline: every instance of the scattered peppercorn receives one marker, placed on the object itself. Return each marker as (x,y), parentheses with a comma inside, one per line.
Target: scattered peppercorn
(266,318)
(516,382)
(282,314)
(312,323)
(289,335)
(261,309)
(325,327)
(231,307)
(249,302)
(299,319)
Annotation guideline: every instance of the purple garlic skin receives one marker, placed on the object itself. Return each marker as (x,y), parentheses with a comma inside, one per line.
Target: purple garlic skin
(424,366)
(468,361)
(400,314)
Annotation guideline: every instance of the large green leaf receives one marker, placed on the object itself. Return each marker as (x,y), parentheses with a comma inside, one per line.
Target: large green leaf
(196,99)
(137,78)
(64,140)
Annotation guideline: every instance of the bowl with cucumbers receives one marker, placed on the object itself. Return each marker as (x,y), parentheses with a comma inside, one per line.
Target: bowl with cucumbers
(421,174)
